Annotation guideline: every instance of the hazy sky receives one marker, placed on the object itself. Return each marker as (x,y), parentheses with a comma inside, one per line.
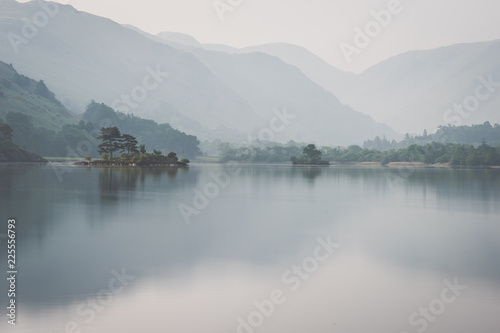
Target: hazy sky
(319,25)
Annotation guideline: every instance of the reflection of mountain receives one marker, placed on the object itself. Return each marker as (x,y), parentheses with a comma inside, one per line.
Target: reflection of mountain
(97,220)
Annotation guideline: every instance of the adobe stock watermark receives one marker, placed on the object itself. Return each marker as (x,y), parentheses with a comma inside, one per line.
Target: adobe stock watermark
(425,315)
(293,279)
(222,7)
(483,92)
(87,311)
(222,179)
(32,26)
(83,148)
(138,94)
(363,36)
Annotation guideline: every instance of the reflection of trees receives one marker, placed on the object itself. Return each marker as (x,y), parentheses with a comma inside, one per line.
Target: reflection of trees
(22,199)
(113,181)
(51,204)
(473,184)
(307,172)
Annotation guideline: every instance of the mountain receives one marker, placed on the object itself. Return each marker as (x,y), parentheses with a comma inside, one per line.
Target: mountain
(244,69)
(412,91)
(271,86)
(83,57)
(318,70)
(179,38)
(19,93)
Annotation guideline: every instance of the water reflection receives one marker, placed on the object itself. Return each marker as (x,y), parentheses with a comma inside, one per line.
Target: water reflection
(437,223)
(309,173)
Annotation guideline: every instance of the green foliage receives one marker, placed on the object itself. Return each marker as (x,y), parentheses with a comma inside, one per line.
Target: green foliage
(310,155)
(140,160)
(258,154)
(111,140)
(88,158)
(42,91)
(6,132)
(6,83)
(142,149)
(105,156)
(172,155)
(10,152)
(22,81)
(473,135)
(34,100)
(155,136)
(21,126)
(454,154)
(129,144)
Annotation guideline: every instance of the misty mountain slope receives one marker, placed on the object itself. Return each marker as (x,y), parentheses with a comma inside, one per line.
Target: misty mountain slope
(268,83)
(312,66)
(179,38)
(85,57)
(413,91)
(318,70)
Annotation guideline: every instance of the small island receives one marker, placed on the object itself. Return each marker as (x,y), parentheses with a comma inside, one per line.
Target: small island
(113,141)
(310,156)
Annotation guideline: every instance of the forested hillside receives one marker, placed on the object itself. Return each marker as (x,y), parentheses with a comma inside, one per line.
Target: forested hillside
(19,93)
(472,135)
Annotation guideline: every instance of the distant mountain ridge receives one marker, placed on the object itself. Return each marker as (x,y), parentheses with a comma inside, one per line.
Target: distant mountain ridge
(413,91)
(85,57)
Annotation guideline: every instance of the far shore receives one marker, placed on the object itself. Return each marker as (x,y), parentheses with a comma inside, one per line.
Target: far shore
(215,161)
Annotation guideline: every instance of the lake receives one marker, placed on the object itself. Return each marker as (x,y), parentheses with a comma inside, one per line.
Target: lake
(252,248)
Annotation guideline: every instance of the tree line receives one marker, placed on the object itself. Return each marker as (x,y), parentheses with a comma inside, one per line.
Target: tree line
(473,135)
(452,153)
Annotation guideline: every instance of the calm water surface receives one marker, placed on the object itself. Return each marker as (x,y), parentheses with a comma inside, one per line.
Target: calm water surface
(110,250)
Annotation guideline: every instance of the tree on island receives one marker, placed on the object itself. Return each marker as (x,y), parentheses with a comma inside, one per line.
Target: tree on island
(111,140)
(173,156)
(129,144)
(310,155)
